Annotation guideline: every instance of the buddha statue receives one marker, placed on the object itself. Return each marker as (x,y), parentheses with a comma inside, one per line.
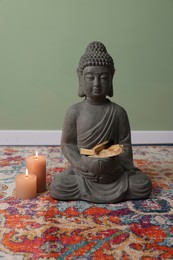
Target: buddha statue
(92,122)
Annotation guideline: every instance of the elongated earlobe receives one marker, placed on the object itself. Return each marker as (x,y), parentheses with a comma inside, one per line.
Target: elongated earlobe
(110,91)
(80,91)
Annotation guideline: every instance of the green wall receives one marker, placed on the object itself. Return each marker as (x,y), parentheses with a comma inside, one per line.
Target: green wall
(41,42)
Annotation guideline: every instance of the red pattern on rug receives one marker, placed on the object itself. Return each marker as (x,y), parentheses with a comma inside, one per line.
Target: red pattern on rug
(43,228)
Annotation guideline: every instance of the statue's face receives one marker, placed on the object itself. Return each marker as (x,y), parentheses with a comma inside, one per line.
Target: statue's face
(96,81)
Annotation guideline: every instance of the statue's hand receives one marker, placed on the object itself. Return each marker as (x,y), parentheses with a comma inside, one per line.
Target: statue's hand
(80,167)
(88,175)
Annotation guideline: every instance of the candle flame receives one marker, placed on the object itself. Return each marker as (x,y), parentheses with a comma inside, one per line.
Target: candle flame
(26,174)
(36,155)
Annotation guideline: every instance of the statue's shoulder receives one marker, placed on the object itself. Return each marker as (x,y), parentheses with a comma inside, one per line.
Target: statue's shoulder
(118,107)
(76,106)
(74,109)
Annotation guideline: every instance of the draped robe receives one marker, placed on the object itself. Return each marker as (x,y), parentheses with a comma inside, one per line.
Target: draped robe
(113,179)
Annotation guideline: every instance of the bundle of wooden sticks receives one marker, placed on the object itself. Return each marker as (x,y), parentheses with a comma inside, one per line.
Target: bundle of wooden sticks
(103,150)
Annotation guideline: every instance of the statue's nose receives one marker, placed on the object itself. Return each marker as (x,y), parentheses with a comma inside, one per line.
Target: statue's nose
(96,82)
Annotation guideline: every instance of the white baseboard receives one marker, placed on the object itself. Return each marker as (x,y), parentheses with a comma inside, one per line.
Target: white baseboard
(152,137)
(48,137)
(30,137)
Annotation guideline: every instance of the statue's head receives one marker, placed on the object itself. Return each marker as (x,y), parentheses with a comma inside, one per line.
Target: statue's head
(95,55)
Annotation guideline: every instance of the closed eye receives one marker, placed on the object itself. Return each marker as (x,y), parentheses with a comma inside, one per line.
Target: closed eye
(104,77)
(89,76)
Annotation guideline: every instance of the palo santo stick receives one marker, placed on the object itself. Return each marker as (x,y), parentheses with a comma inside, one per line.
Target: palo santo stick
(86,151)
(100,147)
(112,151)
(96,149)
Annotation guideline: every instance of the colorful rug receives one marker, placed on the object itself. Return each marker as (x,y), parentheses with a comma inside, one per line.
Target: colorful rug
(43,228)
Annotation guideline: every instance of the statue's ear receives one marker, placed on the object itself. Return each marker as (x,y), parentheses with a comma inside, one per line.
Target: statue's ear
(110,91)
(80,91)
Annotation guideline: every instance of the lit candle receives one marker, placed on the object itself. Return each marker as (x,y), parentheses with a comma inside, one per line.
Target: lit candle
(26,186)
(37,165)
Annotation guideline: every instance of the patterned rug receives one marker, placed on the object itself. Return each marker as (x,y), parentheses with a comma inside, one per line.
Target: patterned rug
(43,228)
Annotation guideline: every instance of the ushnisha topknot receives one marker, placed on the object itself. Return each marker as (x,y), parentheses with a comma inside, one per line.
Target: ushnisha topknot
(96,55)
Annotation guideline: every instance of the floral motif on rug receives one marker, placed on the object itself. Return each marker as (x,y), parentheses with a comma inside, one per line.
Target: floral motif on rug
(43,228)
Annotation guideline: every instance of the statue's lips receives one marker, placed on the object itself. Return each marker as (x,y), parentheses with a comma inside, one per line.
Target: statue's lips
(96,91)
